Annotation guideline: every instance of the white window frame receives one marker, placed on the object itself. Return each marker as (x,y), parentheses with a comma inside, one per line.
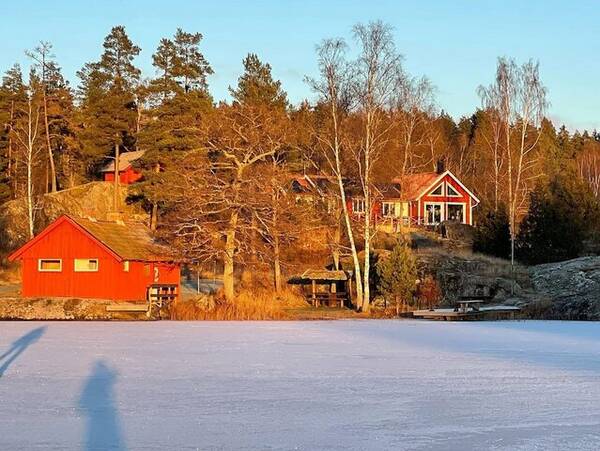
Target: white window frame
(438,186)
(88,260)
(40,260)
(450,187)
(391,206)
(464,205)
(442,212)
(358,201)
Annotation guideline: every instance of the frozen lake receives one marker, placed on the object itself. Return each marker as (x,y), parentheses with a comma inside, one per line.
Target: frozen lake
(300,385)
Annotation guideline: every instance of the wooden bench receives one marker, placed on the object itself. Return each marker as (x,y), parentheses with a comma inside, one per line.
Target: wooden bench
(329,299)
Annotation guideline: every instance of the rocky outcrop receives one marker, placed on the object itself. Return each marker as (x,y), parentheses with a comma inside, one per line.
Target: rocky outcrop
(61,309)
(464,274)
(568,290)
(93,199)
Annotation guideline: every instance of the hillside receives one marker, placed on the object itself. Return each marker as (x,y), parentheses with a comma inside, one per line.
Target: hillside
(94,199)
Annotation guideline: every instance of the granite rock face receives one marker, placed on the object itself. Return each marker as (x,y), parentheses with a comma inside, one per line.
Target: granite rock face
(569,289)
(94,199)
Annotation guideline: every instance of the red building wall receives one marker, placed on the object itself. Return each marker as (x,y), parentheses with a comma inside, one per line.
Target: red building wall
(111,281)
(126,177)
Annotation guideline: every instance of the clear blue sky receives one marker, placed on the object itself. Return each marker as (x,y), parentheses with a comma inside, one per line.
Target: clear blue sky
(454,43)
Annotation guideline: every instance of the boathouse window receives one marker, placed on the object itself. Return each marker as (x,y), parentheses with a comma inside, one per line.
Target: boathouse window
(85,265)
(126,266)
(49,265)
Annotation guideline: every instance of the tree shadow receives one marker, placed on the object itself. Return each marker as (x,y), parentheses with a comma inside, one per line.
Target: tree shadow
(103,428)
(18,347)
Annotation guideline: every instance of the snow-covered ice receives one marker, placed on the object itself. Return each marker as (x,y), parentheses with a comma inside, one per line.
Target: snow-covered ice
(300,385)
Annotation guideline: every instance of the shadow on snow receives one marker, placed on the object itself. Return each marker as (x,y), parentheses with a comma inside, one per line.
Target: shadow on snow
(97,400)
(18,347)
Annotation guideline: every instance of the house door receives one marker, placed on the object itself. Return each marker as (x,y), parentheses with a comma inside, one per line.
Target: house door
(433,214)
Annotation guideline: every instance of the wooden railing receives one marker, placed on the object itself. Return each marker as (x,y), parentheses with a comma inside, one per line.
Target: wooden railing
(160,294)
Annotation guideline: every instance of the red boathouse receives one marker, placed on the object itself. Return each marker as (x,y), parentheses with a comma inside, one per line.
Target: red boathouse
(127,174)
(89,259)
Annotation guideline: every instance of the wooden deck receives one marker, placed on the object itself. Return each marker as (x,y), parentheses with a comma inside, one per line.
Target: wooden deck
(449,314)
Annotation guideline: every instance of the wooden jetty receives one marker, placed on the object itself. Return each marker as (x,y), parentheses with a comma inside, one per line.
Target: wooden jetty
(469,310)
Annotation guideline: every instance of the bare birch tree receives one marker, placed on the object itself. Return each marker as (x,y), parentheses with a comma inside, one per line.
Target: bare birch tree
(413,104)
(27,132)
(519,98)
(333,91)
(377,74)
(588,166)
(42,55)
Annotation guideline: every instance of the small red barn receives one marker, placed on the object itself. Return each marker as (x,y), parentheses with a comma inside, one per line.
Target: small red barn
(89,259)
(127,175)
(427,198)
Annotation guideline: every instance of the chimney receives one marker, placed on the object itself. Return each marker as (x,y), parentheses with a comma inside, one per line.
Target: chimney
(440,166)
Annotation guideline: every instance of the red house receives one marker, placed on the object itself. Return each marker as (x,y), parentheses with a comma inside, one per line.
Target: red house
(127,175)
(427,198)
(89,259)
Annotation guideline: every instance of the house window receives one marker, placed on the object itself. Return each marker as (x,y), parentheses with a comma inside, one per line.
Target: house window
(126,266)
(85,265)
(388,209)
(456,212)
(433,214)
(358,206)
(439,191)
(451,191)
(49,265)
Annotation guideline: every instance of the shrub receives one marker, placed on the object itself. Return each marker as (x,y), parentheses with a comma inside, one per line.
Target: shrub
(397,275)
(429,292)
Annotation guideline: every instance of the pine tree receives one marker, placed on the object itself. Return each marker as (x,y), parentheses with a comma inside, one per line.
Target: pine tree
(13,97)
(179,103)
(109,107)
(256,85)
(397,275)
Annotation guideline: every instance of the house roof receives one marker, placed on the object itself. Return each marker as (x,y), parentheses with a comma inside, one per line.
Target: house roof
(413,185)
(310,184)
(124,240)
(125,160)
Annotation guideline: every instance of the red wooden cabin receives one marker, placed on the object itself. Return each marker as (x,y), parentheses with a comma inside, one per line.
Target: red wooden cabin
(127,174)
(89,259)
(427,198)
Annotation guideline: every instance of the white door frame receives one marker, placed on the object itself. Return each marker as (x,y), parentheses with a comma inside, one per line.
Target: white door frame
(464,205)
(442,212)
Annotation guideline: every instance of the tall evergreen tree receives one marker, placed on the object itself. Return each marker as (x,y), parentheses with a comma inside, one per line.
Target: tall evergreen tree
(561,216)
(13,97)
(256,85)
(109,107)
(179,102)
